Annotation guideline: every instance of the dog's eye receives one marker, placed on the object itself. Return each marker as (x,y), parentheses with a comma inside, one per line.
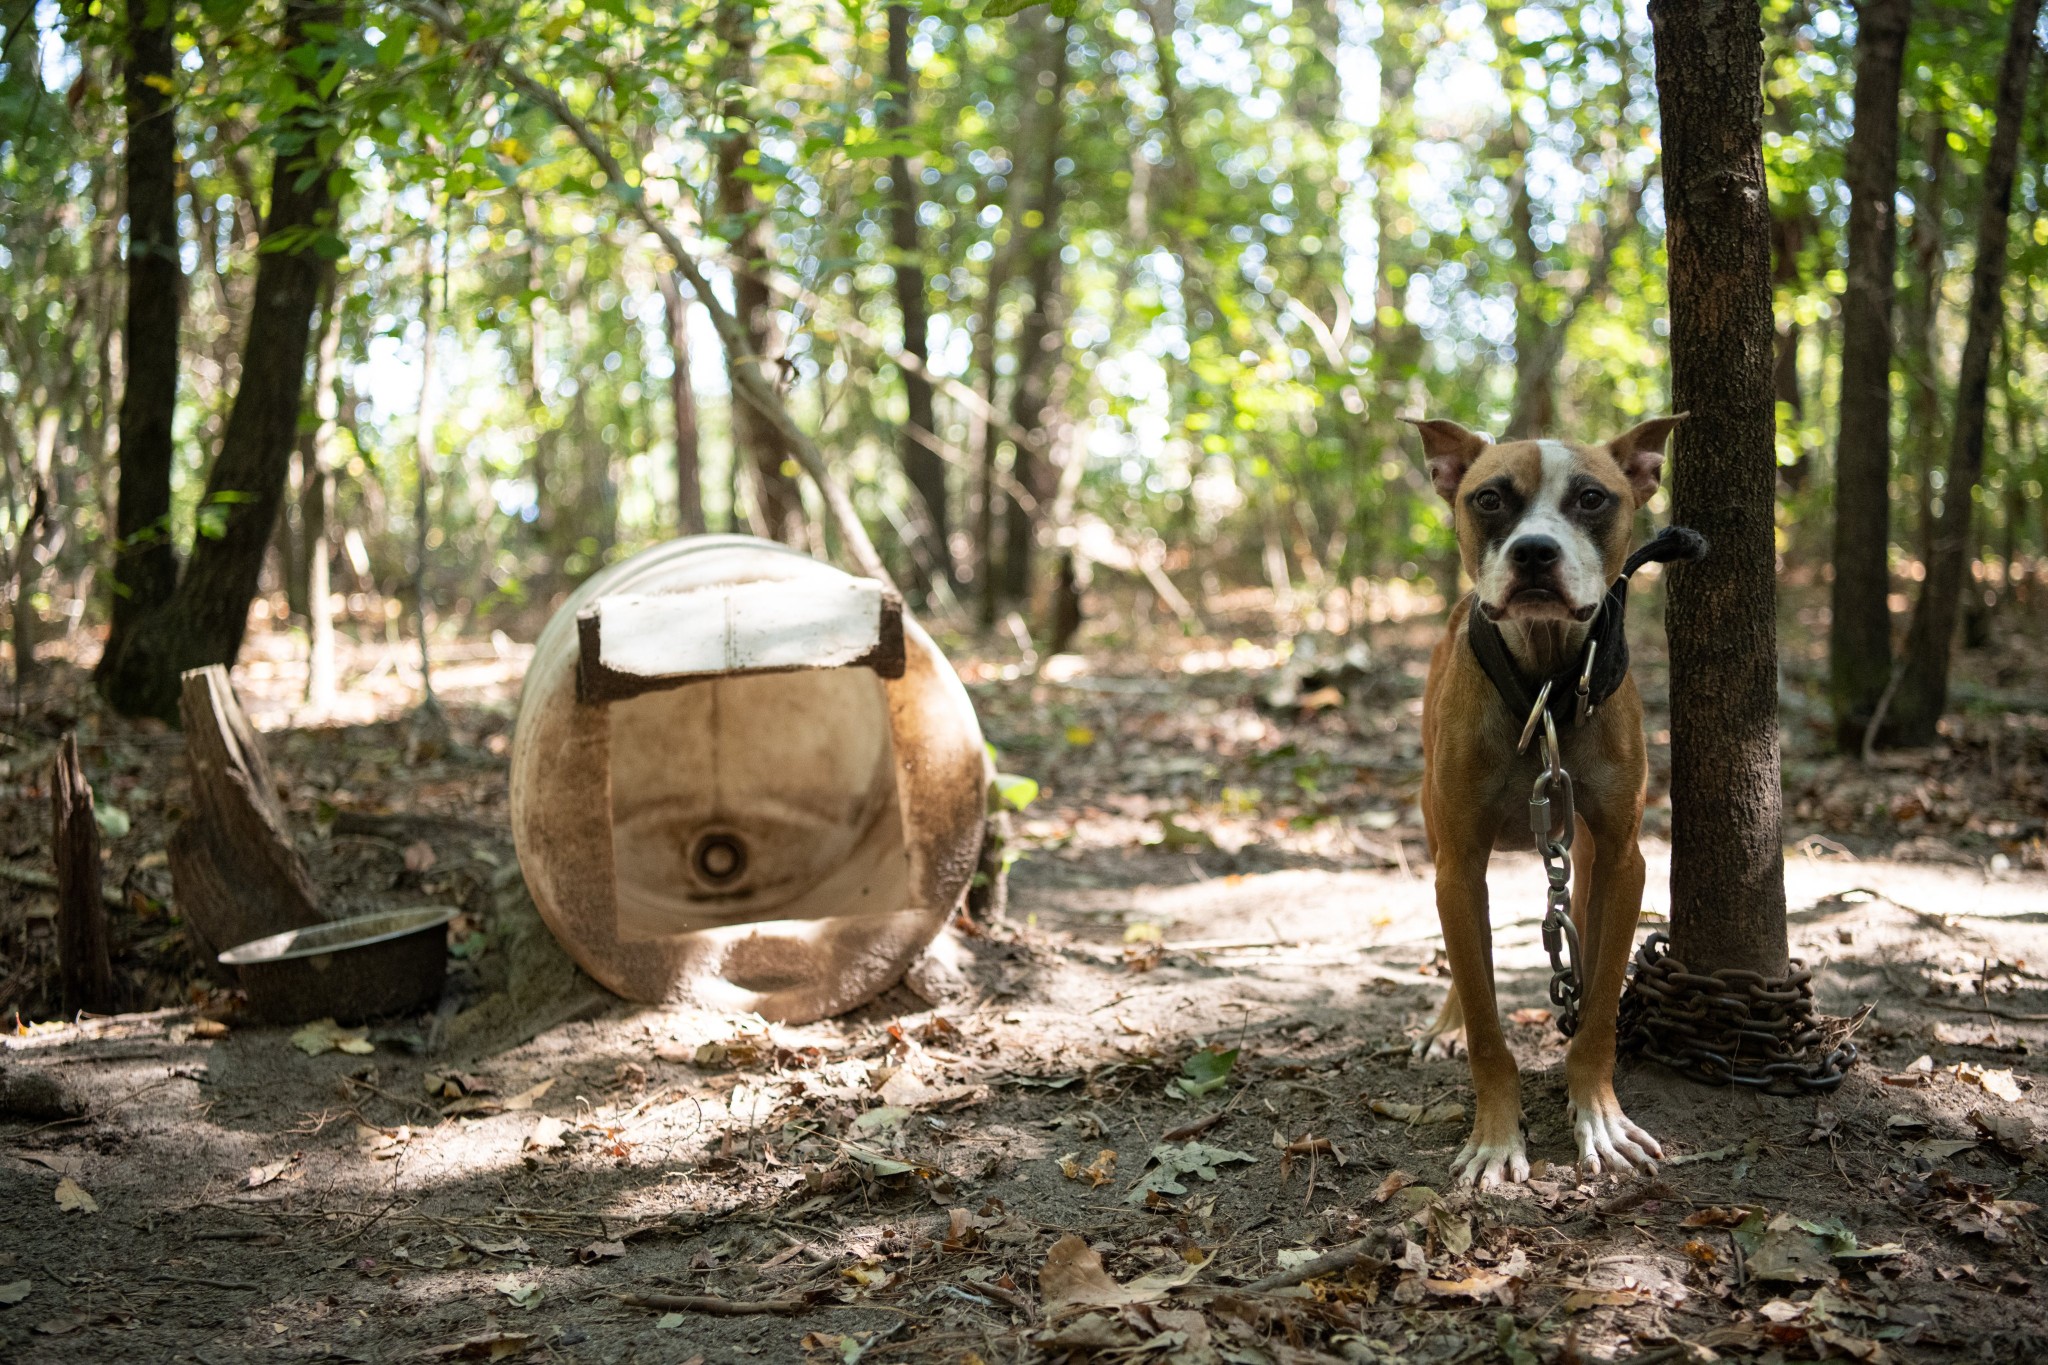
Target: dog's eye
(1486,500)
(1592,500)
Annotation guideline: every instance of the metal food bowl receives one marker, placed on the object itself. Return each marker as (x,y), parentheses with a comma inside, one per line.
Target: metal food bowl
(350,970)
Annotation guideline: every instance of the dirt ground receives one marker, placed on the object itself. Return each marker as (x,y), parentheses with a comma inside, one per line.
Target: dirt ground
(1177,1065)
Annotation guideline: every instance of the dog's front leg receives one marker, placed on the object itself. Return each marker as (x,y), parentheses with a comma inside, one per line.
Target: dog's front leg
(1494,1151)
(1608,1139)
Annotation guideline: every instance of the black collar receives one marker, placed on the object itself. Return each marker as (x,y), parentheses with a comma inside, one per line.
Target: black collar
(1606,641)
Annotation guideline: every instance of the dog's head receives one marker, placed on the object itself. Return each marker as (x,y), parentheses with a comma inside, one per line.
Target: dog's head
(1543,526)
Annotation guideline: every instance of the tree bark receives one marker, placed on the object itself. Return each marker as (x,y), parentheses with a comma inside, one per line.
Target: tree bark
(145,569)
(1038,340)
(1860,624)
(1727,864)
(683,403)
(88,976)
(922,466)
(756,440)
(316,461)
(425,413)
(206,616)
(1921,309)
(1923,682)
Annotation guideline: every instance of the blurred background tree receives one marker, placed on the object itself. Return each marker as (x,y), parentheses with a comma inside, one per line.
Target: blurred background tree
(1139,286)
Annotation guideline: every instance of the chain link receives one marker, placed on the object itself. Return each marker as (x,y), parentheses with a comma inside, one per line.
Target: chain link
(1734,1027)
(1730,1027)
(1553,835)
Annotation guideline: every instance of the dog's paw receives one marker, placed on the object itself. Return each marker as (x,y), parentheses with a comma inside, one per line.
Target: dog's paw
(1492,1162)
(1610,1141)
(1438,1046)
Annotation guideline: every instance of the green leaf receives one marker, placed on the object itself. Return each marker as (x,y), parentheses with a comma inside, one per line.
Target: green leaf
(1173,1162)
(1003,9)
(1015,792)
(1204,1072)
(796,47)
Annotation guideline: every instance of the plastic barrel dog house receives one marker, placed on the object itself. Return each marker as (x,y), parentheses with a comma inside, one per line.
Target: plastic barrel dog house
(745,780)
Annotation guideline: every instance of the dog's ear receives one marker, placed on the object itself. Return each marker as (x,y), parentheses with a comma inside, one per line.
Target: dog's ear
(1640,453)
(1451,450)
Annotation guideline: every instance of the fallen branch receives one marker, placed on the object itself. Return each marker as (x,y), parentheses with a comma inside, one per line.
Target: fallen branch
(1331,1263)
(715,1307)
(43,881)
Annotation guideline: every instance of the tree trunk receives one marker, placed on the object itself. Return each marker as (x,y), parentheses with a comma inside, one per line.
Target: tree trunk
(683,403)
(145,564)
(425,414)
(756,441)
(1038,342)
(1923,683)
(1860,625)
(316,460)
(204,620)
(1922,309)
(33,477)
(921,464)
(1727,865)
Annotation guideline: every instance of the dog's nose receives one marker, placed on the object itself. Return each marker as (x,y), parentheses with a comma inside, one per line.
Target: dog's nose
(1533,554)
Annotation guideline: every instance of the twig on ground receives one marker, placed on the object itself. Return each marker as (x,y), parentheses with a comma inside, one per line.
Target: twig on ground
(1637,1196)
(44,881)
(2013,1015)
(1194,1128)
(709,1304)
(1331,1263)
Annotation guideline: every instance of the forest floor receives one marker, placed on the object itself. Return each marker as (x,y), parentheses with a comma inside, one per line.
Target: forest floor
(1178,1064)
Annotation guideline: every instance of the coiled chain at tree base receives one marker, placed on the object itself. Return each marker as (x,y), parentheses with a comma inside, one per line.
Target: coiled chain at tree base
(1734,1027)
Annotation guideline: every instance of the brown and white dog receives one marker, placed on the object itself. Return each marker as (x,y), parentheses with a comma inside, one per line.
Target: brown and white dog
(1543,530)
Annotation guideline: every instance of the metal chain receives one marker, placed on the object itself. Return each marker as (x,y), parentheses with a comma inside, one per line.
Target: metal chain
(1734,1027)
(1553,835)
(1731,1027)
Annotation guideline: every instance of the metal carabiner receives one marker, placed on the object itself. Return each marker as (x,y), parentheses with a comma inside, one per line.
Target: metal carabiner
(1584,706)
(1550,831)
(1536,714)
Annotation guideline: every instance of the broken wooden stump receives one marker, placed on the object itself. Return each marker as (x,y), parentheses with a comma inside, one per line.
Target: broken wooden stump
(88,975)
(236,874)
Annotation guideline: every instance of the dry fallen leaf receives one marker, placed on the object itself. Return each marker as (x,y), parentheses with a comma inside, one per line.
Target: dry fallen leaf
(1443,1111)
(525,1098)
(2001,1084)
(1097,1173)
(209,1028)
(547,1134)
(1395,1182)
(324,1035)
(259,1176)
(15,1291)
(1480,1286)
(72,1198)
(382,1144)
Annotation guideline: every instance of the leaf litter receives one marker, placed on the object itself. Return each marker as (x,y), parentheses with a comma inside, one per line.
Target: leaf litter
(910,1159)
